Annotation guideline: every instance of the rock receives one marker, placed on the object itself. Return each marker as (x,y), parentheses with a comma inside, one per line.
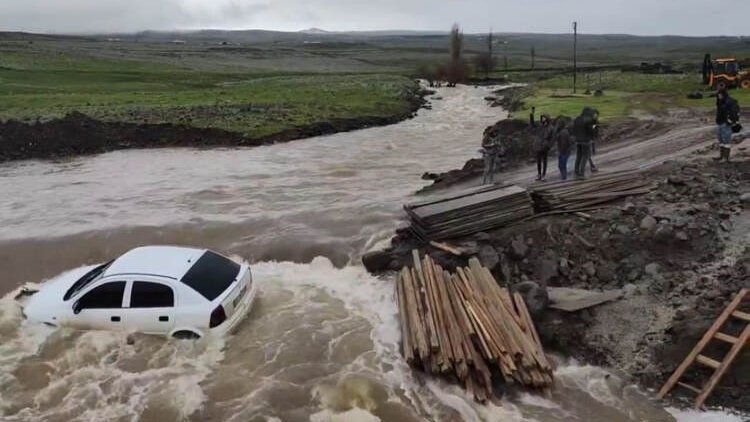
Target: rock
(648,223)
(652,269)
(726,226)
(719,189)
(564,267)
(482,237)
(622,229)
(676,180)
(629,290)
(628,208)
(663,233)
(745,198)
(488,257)
(534,295)
(546,270)
(376,261)
(519,248)
(682,236)
(589,268)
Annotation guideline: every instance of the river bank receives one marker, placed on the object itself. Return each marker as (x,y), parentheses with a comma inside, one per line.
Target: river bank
(79,134)
(679,255)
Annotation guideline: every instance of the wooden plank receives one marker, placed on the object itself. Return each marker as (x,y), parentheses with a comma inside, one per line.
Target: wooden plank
(447,248)
(726,338)
(702,345)
(431,329)
(741,315)
(467,201)
(689,387)
(573,300)
(707,361)
(406,346)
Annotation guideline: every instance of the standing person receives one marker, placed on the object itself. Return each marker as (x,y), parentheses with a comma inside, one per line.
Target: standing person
(584,130)
(542,144)
(727,116)
(564,144)
(532,118)
(491,151)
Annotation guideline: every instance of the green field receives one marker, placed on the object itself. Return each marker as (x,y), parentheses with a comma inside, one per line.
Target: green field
(41,88)
(625,94)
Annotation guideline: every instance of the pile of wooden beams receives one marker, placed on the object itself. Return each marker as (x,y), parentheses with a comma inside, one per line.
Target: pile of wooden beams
(581,195)
(465,325)
(470,212)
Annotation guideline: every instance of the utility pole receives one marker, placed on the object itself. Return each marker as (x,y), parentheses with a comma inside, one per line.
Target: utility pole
(575,55)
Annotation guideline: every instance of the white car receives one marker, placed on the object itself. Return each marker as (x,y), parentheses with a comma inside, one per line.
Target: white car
(165,290)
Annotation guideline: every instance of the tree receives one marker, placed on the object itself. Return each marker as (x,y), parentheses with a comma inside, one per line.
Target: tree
(485,63)
(457,70)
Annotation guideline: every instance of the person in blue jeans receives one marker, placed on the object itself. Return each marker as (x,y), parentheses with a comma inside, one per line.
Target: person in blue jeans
(564,144)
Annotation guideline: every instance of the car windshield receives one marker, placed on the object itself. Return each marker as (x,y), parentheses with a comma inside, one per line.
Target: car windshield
(86,280)
(211,275)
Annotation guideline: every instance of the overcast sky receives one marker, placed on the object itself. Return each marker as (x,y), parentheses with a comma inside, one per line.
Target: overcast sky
(642,17)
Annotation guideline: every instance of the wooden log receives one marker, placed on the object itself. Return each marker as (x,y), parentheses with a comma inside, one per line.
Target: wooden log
(444,352)
(406,342)
(418,315)
(428,317)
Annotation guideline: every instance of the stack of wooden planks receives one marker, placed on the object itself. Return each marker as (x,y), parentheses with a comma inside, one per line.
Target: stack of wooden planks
(469,212)
(465,325)
(582,195)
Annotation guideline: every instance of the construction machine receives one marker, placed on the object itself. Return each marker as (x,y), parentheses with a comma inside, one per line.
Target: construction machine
(725,72)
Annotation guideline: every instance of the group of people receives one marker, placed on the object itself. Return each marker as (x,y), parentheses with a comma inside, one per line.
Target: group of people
(566,133)
(582,131)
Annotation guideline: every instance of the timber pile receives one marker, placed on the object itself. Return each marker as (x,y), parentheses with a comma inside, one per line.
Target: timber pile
(577,195)
(470,212)
(465,325)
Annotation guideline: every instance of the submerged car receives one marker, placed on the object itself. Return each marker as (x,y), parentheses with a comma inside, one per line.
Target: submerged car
(166,290)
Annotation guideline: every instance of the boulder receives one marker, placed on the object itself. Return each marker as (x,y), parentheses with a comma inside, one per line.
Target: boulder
(535,296)
(564,267)
(488,257)
(648,223)
(681,236)
(745,198)
(652,269)
(377,261)
(518,248)
(589,268)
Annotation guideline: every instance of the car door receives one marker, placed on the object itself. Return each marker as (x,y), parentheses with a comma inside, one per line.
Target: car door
(151,307)
(101,307)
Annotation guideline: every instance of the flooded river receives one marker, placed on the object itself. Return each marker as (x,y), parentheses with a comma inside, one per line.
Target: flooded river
(321,344)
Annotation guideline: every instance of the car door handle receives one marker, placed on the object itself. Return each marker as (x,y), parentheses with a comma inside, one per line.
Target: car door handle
(115,318)
(163,318)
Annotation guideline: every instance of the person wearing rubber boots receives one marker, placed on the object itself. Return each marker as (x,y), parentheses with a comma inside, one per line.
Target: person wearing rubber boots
(585,128)
(727,118)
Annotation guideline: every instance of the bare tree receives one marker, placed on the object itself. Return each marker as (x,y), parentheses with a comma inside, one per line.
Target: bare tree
(485,63)
(457,70)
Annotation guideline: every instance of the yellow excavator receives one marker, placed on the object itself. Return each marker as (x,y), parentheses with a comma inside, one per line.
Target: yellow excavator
(725,72)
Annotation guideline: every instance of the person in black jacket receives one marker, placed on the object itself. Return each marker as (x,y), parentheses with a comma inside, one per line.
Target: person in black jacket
(727,115)
(585,128)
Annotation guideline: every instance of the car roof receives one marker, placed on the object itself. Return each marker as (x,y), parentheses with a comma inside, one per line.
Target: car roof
(165,261)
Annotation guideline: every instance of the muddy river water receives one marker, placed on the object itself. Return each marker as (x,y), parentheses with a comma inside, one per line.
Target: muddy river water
(321,344)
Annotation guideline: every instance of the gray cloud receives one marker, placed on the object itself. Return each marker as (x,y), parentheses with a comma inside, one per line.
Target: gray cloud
(646,17)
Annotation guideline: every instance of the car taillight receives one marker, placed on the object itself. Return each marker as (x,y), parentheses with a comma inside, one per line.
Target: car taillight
(217,317)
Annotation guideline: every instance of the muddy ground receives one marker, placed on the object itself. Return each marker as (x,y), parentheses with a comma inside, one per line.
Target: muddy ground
(679,254)
(78,134)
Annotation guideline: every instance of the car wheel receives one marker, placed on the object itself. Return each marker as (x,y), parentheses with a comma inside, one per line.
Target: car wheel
(745,84)
(186,335)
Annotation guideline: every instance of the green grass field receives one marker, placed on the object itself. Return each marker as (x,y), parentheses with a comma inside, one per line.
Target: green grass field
(37,86)
(626,94)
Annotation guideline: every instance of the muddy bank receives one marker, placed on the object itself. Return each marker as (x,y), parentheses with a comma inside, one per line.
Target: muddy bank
(679,254)
(78,134)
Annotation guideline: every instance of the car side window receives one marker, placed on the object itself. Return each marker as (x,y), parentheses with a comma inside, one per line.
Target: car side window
(151,295)
(106,296)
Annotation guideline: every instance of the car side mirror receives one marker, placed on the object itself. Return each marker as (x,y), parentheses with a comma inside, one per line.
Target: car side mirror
(77,307)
